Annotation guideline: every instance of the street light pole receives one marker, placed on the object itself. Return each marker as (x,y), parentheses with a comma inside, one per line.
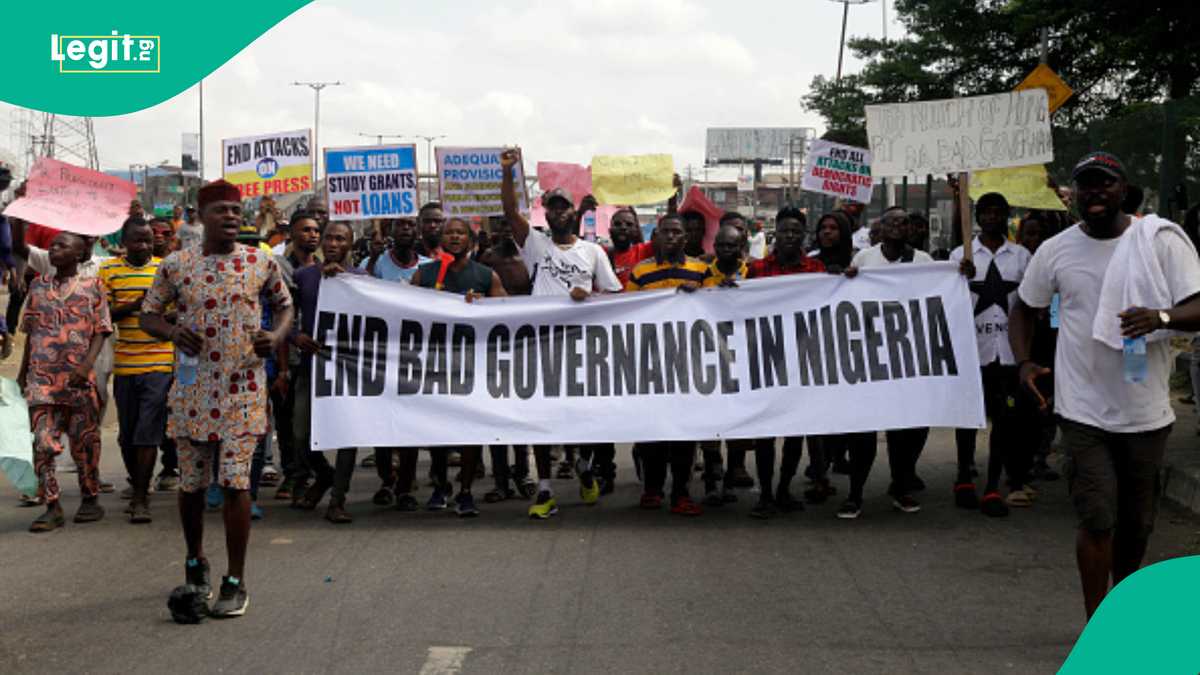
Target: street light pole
(316,149)
(429,155)
(379,137)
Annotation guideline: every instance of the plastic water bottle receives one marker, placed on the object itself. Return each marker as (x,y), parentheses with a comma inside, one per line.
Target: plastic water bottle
(1135,359)
(589,226)
(185,367)
(1054,306)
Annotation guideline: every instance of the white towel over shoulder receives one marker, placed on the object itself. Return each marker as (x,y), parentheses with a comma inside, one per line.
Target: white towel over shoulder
(1135,278)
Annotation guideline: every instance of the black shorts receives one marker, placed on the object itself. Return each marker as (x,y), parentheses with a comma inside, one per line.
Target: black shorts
(1114,478)
(142,408)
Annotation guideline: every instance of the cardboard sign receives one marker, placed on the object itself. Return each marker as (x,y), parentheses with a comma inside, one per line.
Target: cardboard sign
(1057,91)
(469,181)
(573,178)
(269,164)
(632,179)
(73,198)
(1021,185)
(959,134)
(371,181)
(838,170)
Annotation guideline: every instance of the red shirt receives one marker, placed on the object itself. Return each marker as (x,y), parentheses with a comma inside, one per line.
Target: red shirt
(770,267)
(624,262)
(40,235)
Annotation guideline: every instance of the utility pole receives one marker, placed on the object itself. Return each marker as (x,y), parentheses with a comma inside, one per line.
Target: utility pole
(316,149)
(379,137)
(429,156)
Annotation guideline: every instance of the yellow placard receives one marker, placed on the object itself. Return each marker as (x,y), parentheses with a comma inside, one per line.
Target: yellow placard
(1057,91)
(632,179)
(1023,186)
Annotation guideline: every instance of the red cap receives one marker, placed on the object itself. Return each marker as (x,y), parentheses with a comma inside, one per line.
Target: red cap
(219,190)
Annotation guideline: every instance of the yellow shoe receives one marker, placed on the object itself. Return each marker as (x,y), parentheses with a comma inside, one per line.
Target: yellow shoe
(589,492)
(544,507)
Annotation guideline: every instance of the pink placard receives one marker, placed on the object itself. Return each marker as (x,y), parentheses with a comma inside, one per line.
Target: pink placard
(73,198)
(696,200)
(574,178)
(604,214)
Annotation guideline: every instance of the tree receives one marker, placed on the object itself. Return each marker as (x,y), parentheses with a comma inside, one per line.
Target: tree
(1118,56)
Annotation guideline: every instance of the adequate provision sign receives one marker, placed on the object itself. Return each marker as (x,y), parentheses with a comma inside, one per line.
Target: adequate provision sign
(811,354)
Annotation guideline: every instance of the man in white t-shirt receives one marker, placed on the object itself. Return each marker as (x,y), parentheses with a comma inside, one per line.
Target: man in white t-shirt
(1000,264)
(559,263)
(1113,432)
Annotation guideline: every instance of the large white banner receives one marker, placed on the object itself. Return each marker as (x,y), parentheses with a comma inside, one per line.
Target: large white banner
(959,134)
(796,355)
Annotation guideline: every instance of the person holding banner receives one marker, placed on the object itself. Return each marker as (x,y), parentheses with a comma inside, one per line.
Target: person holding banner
(216,290)
(559,264)
(669,268)
(335,245)
(1000,265)
(834,247)
(398,262)
(1112,366)
(455,272)
(432,220)
(628,249)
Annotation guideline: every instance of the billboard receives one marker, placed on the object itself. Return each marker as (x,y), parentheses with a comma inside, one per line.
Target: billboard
(735,145)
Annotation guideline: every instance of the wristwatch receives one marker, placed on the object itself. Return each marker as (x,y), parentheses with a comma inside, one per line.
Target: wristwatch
(1164,318)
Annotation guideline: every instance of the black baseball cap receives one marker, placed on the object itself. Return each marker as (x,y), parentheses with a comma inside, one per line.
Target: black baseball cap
(1099,161)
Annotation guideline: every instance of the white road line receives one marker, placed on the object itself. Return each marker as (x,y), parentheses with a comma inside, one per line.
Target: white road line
(444,660)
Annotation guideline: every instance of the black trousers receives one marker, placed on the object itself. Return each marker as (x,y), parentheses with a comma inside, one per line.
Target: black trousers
(655,458)
(1000,400)
(904,448)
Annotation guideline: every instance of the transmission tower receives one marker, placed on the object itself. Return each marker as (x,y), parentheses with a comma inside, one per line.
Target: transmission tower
(63,137)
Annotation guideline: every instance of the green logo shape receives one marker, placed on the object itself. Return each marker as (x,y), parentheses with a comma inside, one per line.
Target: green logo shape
(143,53)
(1145,625)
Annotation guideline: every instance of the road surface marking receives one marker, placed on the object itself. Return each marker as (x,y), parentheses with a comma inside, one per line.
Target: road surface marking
(444,660)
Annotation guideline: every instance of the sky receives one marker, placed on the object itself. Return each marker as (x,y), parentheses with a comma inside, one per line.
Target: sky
(564,79)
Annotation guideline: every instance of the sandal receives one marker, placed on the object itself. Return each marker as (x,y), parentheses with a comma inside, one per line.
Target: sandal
(1019,499)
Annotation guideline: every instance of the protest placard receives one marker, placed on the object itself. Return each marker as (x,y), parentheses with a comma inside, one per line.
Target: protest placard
(632,179)
(1023,186)
(73,198)
(573,178)
(406,362)
(371,181)
(469,181)
(838,170)
(959,134)
(269,164)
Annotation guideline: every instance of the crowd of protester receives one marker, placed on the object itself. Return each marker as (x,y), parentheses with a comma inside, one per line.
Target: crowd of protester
(200,329)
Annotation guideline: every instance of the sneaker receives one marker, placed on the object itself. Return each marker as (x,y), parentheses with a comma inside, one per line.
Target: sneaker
(651,501)
(906,503)
(52,519)
(437,501)
(126,494)
(820,491)
(139,512)
(89,511)
(232,601)
(286,488)
(167,482)
(738,478)
(684,506)
(544,507)
(497,495)
(197,575)
(993,505)
(464,505)
(763,509)
(256,512)
(336,512)
(849,510)
(527,487)
(965,496)
(383,497)
(589,489)
(407,503)
(214,497)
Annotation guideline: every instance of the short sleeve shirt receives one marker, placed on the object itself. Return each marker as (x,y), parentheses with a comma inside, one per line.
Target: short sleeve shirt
(217,297)
(1089,386)
(993,292)
(136,352)
(555,271)
(387,269)
(61,320)
(873,257)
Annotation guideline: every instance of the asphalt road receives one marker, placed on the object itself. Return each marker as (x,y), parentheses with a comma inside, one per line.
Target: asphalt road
(608,588)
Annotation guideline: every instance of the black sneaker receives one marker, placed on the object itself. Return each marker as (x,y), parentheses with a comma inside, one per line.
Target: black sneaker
(407,503)
(464,505)
(764,509)
(197,575)
(383,496)
(233,600)
(849,510)
(906,503)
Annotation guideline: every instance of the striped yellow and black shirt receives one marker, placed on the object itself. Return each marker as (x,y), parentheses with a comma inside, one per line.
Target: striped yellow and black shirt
(653,273)
(135,352)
